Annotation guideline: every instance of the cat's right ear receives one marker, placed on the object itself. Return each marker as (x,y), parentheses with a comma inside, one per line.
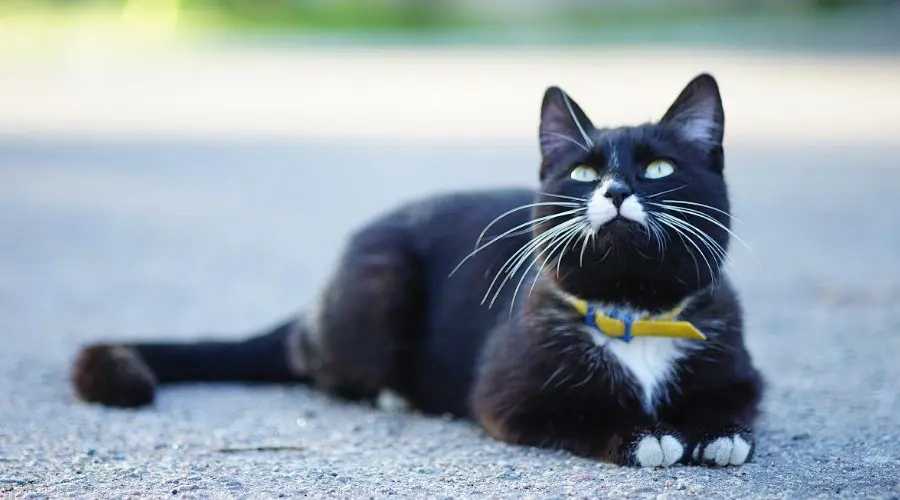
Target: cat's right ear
(563,123)
(697,113)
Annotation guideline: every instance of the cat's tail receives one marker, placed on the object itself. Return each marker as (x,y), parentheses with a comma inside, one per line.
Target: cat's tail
(127,374)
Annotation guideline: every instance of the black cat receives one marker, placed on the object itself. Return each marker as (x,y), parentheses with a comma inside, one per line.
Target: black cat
(592,315)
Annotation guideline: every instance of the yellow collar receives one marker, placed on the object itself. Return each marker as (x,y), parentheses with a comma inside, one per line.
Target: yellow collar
(627,326)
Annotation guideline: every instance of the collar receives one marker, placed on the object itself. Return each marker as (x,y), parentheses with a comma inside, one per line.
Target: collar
(625,326)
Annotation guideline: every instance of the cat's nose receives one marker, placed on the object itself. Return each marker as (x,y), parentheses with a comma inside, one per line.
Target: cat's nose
(617,192)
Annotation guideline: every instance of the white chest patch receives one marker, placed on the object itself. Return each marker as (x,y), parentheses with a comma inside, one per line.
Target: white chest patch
(649,361)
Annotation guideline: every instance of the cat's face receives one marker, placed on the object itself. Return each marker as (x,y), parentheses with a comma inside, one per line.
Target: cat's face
(642,209)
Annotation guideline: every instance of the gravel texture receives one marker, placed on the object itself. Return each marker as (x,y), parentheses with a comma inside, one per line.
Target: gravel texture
(141,238)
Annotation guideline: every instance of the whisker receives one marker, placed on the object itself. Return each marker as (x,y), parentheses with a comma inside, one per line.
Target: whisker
(556,237)
(687,239)
(703,205)
(605,255)
(513,259)
(563,241)
(523,207)
(546,259)
(661,236)
(562,231)
(704,216)
(517,259)
(564,196)
(558,233)
(664,192)
(705,238)
(512,301)
(570,237)
(585,235)
(532,222)
(651,233)
(717,252)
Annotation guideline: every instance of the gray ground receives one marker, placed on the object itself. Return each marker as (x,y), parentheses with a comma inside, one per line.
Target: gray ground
(141,238)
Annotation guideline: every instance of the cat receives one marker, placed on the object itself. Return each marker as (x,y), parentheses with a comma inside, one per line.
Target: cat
(590,314)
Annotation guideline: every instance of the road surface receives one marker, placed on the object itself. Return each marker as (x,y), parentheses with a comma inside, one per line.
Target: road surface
(138,235)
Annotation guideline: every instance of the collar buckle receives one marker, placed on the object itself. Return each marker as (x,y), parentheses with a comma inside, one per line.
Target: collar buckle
(590,318)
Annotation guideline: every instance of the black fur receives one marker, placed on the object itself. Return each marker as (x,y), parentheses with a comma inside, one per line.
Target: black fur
(399,314)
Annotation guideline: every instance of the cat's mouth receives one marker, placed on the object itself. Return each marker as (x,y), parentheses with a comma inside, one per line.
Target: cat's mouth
(615,222)
(602,212)
(620,221)
(619,225)
(616,232)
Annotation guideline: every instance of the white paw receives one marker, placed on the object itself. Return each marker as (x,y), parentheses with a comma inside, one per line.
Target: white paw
(724,451)
(392,402)
(658,452)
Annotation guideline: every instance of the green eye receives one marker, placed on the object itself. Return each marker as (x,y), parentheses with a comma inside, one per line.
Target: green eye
(658,169)
(583,173)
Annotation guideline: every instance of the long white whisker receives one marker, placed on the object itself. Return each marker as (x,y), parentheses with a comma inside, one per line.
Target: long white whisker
(560,231)
(512,301)
(654,195)
(511,261)
(664,236)
(691,211)
(680,235)
(585,236)
(523,207)
(718,253)
(562,242)
(534,248)
(687,239)
(573,198)
(707,239)
(515,261)
(569,238)
(531,222)
(702,205)
(653,229)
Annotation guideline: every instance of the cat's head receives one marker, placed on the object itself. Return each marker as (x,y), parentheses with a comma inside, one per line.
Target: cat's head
(636,214)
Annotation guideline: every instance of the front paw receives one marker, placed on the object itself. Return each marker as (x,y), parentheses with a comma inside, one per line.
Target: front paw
(657,451)
(729,449)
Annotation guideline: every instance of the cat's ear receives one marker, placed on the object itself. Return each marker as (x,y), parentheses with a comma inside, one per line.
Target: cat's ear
(563,123)
(697,113)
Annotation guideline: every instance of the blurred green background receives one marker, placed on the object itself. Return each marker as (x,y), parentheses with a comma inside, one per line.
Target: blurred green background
(798,24)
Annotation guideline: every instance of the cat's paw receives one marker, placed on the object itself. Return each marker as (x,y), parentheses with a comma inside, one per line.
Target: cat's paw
(113,376)
(732,449)
(657,451)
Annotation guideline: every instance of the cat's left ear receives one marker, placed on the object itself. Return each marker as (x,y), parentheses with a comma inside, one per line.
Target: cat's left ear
(563,123)
(697,113)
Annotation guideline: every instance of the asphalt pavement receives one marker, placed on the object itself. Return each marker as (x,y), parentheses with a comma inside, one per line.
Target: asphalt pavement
(106,236)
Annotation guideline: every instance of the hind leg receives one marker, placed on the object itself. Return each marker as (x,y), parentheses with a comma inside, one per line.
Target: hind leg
(352,341)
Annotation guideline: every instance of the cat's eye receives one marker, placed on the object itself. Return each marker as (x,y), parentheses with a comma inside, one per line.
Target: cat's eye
(583,173)
(658,169)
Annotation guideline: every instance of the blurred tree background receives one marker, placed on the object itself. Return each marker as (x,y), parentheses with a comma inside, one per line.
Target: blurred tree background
(830,24)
